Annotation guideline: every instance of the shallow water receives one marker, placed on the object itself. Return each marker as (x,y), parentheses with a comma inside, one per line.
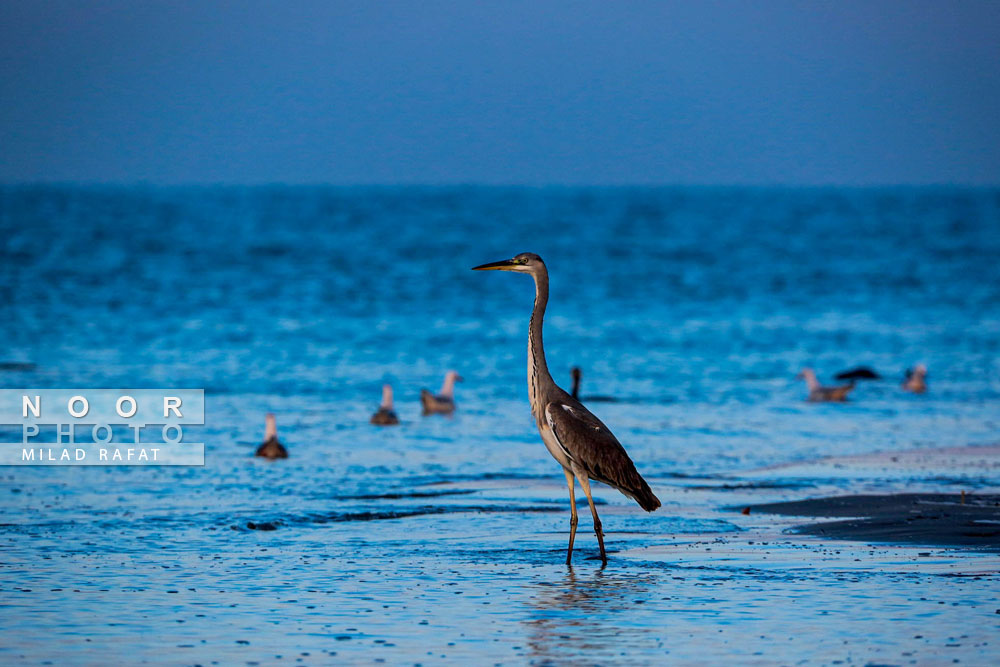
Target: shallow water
(445,537)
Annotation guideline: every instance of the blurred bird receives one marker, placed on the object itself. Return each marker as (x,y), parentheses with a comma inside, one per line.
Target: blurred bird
(819,393)
(916,379)
(17,366)
(577,374)
(444,402)
(859,373)
(271,448)
(584,447)
(385,416)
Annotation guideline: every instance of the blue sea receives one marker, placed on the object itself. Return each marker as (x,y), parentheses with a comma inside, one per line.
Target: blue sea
(443,539)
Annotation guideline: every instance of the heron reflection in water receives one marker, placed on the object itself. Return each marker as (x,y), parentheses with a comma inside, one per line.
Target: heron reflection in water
(585,616)
(581,443)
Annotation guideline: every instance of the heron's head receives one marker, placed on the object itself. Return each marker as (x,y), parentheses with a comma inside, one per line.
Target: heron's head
(576,373)
(454,376)
(526,262)
(805,374)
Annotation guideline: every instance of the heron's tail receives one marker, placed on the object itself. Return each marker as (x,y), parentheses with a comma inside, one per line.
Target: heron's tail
(646,499)
(632,485)
(642,494)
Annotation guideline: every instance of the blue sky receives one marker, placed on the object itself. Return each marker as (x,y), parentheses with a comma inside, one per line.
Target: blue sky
(792,93)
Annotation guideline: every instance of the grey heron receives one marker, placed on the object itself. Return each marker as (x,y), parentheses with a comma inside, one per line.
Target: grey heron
(271,448)
(916,379)
(820,394)
(444,402)
(385,416)
(580,442)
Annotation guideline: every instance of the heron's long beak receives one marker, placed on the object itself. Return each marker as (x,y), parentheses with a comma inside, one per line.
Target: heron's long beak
(496,266)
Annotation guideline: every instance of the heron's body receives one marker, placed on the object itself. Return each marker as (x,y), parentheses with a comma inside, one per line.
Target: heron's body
(820,394)
(444,401)
(584,447)
(385,416)
(271,448)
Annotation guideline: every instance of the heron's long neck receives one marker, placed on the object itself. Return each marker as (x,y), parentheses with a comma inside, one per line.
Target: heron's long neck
(448,388)
(538,370)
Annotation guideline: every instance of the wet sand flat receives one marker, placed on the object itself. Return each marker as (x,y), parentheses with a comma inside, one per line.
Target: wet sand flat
(932,519)
(448,570)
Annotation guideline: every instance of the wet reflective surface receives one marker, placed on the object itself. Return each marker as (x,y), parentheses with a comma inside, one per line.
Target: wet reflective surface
(444,538)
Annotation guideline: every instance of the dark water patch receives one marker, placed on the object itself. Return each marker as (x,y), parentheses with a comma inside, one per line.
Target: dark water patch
(744,486)
(265,525)
(21,366)
(214,520)
(965,482)
(406,495)
(947,529)
(682,475)
(875,505)
(479,477)
(933,519)
(389,515)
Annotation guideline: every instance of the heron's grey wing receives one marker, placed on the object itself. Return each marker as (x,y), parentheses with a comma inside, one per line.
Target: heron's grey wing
(591,446)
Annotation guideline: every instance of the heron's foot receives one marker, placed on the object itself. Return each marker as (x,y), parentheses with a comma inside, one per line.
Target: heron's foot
(600,541)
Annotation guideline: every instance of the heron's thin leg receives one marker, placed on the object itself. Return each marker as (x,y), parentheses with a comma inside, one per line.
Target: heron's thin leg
(573,519)
(585,483)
